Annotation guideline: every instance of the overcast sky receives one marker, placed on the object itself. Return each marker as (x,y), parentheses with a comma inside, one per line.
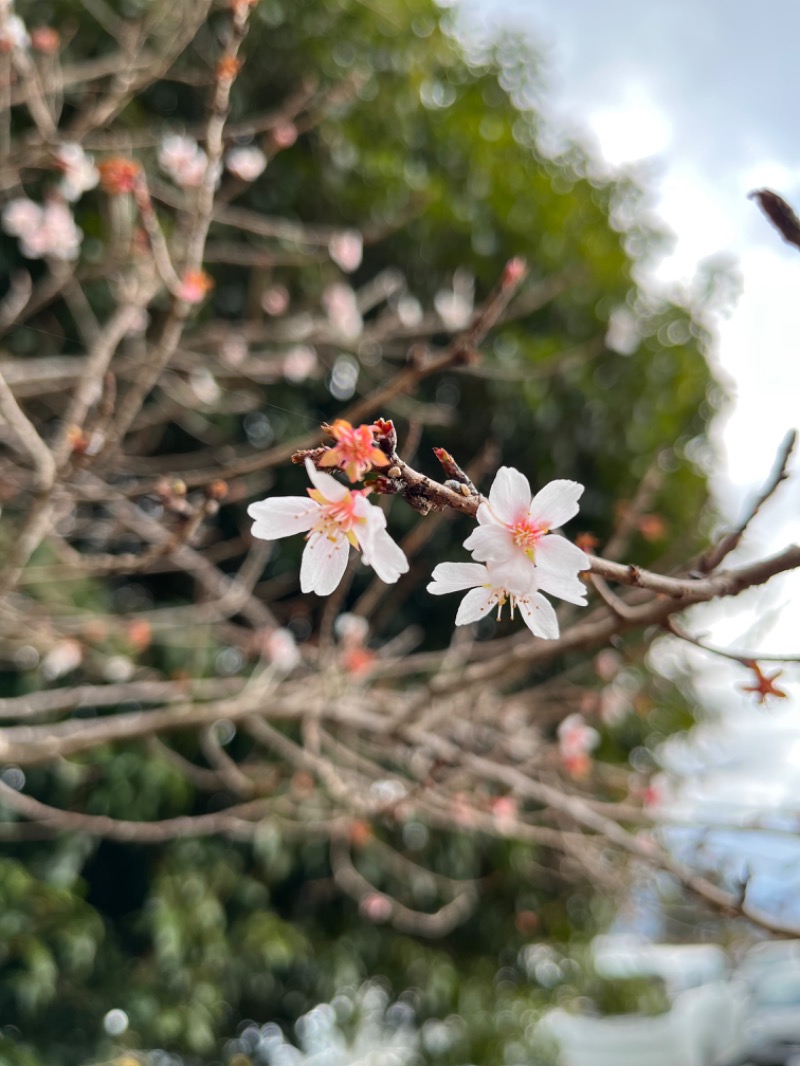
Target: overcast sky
(703,96)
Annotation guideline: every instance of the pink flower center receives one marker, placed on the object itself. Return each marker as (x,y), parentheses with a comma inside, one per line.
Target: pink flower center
(355,444)
(336,516)
(527,534)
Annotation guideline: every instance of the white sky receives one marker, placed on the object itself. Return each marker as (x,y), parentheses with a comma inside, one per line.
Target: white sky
(703,97)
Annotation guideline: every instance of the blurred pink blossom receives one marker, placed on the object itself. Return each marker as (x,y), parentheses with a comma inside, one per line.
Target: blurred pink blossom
(80,173)
(194,286)
(375,907)
(339,301)
(62,658)
(183,160)
(43,232)
(13,32)
(234,350)
(575,737)
(247,163)
(284,135)
(454,306)
(346,250)
(299,363)
(275,300)
(281,650)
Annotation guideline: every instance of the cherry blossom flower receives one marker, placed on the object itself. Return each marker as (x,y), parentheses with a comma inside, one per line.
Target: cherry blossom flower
(275,300)
(454,306)
(494,586)
(46,40)
(341,306)
(351,630)
(21,216)
(47,231)
(346,250)
(281,648)
(183,160)
(63,658)
(576,740)
(514,526)
(299,362)
(333,517)
(284,135)
(355,451)
(409,311)
(80,173)
(194,287)
(119,175)
(13,34)
(246,163)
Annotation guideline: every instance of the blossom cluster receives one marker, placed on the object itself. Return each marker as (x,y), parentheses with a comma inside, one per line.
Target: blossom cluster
(47,231)
(80,173)
(184,161)
(517,557)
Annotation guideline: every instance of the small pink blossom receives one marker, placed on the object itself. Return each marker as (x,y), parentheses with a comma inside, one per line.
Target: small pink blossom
(21,216)
(43,232)
(299,363)
(80,173)
(247,163)
(351,630)
(376,907)
(576,740)
(607,664)
(281,649)
(63,658)
(454,306)
(492,587)
(234,349)
(46,40)
(183,160)
(194,287)
(615,704)
(505,810)
(13,33)
(355,451)
(284,135)
(333,517)
(275,300)
(340,303)
(409,311)
(346,250)
(514,526)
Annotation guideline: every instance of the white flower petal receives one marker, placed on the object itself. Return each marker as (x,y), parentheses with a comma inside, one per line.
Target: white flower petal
(376,519)
(556,503)
(486,516)
(559,556)
(490,544)
(567,587)
(324,562)
(282,516)
(476,605)
(331,489)
(385,557)
(517,574)
(455,577)
(539,616)
(510,494)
